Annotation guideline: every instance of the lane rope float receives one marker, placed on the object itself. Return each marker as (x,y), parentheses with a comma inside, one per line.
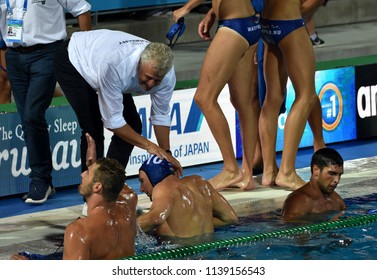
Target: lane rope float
(186,251)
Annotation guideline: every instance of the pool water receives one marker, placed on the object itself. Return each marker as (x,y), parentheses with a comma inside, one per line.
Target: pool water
(350,243)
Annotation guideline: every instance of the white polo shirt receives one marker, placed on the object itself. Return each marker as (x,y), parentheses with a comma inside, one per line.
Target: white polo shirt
(108,61)
(44,20)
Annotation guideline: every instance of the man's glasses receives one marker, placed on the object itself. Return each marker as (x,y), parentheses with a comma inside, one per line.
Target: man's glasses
(176,31)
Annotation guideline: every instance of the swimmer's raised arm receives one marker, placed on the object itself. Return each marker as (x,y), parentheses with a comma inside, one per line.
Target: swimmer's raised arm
(91,154)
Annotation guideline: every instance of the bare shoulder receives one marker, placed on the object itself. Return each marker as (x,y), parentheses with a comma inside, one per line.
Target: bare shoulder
(78,224)
(339,200)
(76,230)
(196,181)
(299,197)
(128,196)
(306,190)
(192,178)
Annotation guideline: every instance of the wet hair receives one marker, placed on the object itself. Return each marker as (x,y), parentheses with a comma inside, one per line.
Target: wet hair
(326,157)
(110,173)
(156,169)
(160,55)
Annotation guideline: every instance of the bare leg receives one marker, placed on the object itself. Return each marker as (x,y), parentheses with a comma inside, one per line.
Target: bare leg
(276,79)
(300,63)
(309,21)
(215,73)
(244,97)
(308,9)
(315,122)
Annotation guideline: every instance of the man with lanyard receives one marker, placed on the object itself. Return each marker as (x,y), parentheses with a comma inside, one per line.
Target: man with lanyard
(38,28)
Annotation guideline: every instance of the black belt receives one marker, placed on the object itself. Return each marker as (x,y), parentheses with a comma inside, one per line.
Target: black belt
(30,49)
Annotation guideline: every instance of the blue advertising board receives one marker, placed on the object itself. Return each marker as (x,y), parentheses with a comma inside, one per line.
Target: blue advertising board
(64,141)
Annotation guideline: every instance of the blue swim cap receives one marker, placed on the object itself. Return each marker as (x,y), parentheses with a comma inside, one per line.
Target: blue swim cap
(157,169)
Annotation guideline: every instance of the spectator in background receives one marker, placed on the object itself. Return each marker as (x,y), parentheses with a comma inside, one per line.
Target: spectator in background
(30,60)
(308,10)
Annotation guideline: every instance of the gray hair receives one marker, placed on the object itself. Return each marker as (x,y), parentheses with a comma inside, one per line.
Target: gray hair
(160,55)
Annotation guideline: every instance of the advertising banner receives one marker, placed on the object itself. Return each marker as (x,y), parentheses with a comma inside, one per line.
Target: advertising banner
(366,96)
(64,141)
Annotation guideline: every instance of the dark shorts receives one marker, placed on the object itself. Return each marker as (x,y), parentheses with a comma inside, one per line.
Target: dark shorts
(273,31)
(249,27)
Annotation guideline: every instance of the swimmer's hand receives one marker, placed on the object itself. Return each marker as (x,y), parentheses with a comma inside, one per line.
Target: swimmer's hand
(91,154)
(205,25)
(180,13)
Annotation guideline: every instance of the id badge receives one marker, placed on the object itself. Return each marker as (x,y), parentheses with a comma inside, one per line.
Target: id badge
(14,30)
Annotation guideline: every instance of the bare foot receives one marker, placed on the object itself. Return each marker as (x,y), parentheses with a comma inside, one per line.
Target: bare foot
(292,181)
(225,179)
(268,178)
(247,184)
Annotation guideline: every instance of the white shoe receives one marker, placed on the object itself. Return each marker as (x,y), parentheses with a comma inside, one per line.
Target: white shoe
(41,200)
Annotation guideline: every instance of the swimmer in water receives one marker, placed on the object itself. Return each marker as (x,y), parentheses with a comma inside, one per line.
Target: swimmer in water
(318,195)
(181,207)
(109,230)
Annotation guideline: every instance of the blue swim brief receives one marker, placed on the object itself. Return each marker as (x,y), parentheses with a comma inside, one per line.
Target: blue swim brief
(249,27)
(273,31)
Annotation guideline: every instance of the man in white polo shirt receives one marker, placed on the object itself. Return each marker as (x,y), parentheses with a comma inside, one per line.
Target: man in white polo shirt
(98,70)
(33,31)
